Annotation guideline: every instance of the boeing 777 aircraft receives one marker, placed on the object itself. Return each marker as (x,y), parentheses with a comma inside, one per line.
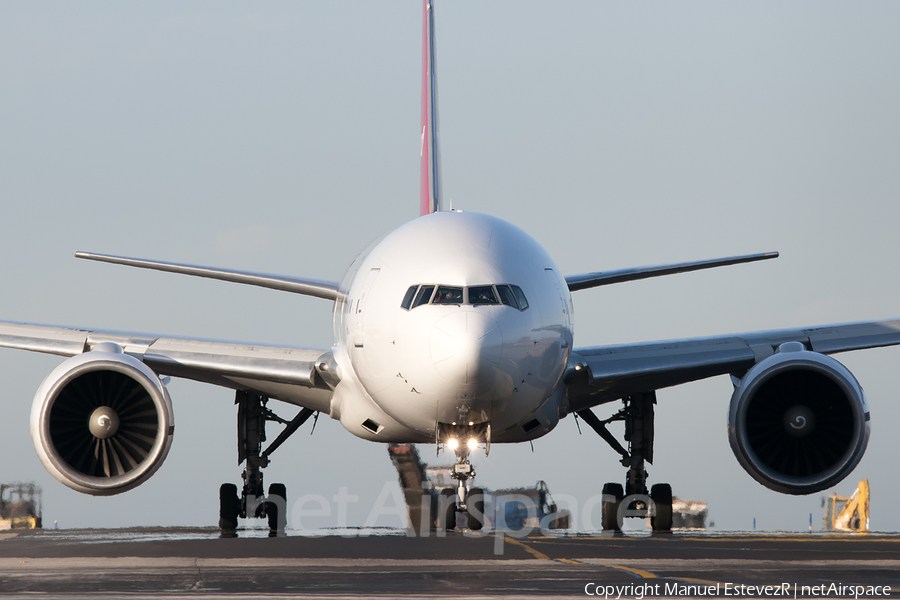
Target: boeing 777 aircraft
(456,329)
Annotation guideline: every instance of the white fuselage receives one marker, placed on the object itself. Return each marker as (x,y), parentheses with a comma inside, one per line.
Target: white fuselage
(431,330)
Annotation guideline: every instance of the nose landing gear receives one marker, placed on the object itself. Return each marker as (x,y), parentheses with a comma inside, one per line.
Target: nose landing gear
(464,500)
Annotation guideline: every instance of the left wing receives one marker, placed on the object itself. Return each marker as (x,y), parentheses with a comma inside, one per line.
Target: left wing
(294,375)
(330,290)
(601,374)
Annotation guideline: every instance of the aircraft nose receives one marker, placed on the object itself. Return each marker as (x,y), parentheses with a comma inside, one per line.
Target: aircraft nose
(466,346)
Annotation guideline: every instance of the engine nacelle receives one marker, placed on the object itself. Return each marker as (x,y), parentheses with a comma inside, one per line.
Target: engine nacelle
(102,422)
(798,421)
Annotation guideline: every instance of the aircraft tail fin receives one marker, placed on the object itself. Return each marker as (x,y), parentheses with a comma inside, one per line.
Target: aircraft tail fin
(430,198)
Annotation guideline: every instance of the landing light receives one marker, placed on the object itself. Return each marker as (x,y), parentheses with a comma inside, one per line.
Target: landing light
(472,444)
(453,443)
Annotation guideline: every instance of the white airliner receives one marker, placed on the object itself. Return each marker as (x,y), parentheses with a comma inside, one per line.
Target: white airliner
(455,329)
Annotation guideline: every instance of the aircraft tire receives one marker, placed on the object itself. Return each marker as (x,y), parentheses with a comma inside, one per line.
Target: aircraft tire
(661,494)
(448,509)
(229,506)
(279,490)
(609,508)
(475,509)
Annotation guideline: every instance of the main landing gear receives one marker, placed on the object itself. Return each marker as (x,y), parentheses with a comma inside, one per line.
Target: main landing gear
(252,503)
(637,414)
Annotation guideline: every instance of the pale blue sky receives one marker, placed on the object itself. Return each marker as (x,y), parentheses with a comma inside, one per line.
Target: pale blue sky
(283,137)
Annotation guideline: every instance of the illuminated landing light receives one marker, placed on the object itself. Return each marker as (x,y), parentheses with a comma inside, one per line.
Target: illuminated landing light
(472,444)
(453,443)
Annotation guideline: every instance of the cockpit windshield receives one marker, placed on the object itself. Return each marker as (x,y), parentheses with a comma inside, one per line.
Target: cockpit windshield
(476,295)
(506,296)
(448,295)
(482,294)
(424,295)
(408,298)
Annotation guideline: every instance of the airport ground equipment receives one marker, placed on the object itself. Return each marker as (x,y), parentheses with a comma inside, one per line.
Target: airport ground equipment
(435,507)
(431,499)
(689,514)
(502,509)
(421,497)
(848,514)
(515,508)
(20,506)
(252,416)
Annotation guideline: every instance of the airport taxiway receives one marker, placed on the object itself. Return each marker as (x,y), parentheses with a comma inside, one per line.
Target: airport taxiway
(362,563)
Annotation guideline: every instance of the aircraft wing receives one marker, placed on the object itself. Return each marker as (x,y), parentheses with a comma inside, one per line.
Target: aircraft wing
(591,280)
(282,372)
(329,290)
(608,373)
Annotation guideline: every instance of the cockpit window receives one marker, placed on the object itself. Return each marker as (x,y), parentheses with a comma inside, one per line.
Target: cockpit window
(482,294)
(424,295)
(510,295)
(520,296)
(506,296)
(408,298)
(448,295)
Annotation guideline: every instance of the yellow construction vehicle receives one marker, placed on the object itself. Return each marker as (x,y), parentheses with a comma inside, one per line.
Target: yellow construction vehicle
(848,514)
(20,506)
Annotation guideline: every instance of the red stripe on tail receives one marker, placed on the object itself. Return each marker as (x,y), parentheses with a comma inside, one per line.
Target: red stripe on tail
(430,185)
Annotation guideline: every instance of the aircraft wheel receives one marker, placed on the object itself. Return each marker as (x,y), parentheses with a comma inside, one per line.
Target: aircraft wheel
(274,509)
(475,509)
(661,494)
(609,507)
(229,506)
(448,509)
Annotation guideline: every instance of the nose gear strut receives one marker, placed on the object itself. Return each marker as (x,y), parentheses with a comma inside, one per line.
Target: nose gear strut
(464,500)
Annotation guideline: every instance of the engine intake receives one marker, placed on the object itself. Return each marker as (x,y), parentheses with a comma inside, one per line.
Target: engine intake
(798,421)
(102,422)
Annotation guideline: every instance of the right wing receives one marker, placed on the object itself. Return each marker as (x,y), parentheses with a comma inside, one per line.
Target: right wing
(300,376)
(607,373)
(588,280)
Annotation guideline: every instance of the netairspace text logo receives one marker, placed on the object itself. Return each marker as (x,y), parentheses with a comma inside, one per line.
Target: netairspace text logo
(639,591)
(390,509)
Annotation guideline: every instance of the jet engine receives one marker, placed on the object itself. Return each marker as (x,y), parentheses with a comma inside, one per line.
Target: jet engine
(102,422)
(798,421)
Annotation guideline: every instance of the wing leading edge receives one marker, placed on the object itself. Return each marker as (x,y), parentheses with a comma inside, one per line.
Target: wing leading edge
(601,374)
(330,290)
(589,280)
(290,374)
